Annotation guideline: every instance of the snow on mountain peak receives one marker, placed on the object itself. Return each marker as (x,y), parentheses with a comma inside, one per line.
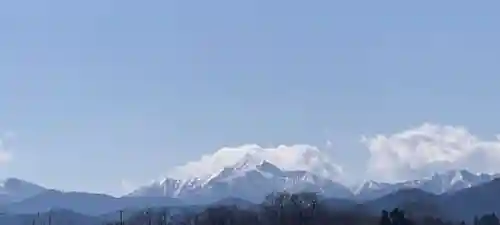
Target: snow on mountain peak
(296,157)
(370,185)
(251,171)
(438,183)
(249,161)
(457,177)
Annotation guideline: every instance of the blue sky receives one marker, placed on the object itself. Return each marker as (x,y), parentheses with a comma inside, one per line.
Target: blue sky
(100,91)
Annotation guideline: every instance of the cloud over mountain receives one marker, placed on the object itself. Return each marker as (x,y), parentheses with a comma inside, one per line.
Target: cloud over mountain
(294,157)
(427,149)
(5,153)
(412,154)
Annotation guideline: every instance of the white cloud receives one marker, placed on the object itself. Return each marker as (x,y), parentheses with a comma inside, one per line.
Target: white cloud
(295,157)
(128,186)
(5,153)
(427,149)
(328,144)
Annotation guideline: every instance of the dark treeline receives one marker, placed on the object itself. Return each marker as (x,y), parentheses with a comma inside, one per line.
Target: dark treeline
(289,209)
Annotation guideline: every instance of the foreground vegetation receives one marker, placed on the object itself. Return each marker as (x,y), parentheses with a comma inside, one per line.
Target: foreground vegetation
(288,209)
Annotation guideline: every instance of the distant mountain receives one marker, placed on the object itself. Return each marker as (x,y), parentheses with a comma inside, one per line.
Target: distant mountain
(252,178)
(372,190)
(403,199)
(458,205)
(456,194)
(251,172)
(249,179)
(439,183)
(75,207)
(85,203)
(13,190)
(476,200)
(287,158)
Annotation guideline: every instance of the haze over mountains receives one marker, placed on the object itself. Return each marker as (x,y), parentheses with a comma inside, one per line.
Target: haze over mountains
(459,202)
(250,177)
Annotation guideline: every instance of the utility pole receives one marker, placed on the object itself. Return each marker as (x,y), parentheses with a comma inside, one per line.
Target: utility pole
(149,216)
(121,217)
(164,218)
(50,217)
(280,211)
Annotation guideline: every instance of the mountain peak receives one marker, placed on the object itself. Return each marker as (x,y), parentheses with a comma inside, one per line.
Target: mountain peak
(266,165)
(248,161)
(369,184)
(245,166)
(17,184)
(295,157)
(439,183)
(11,182)
(457,172)
(461,177)
(14,189)
(253,173)
(251,162)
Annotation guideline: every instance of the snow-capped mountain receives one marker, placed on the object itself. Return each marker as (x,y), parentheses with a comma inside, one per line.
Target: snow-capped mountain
(250,178)
(295,157)
(252,172)
(13,190)
(438,183)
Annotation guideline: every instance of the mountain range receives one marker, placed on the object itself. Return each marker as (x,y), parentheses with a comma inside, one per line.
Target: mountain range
(247,180)
(439,183)
(253,177)
(458,205)
(13,190)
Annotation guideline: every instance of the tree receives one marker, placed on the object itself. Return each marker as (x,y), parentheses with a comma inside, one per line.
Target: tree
(384,219)
(489,219)
(397,217)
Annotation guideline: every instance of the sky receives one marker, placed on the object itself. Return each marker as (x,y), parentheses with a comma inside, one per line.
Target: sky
(106,95)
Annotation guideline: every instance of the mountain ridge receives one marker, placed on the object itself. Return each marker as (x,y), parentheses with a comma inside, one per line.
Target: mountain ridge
(249,177)
(252,169)
(247,171)
(459,205)
(14,189)
(438,183)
